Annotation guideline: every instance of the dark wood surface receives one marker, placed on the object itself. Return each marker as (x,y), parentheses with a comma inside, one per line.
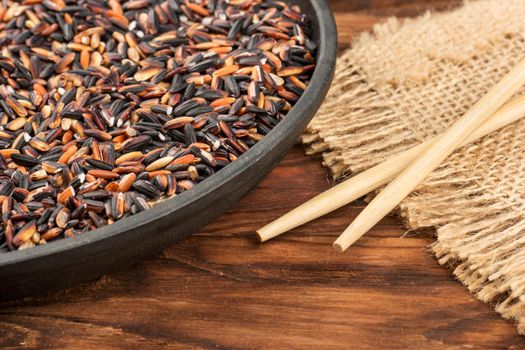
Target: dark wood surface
(221,289)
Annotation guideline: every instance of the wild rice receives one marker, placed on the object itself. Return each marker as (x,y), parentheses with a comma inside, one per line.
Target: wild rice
(108,105)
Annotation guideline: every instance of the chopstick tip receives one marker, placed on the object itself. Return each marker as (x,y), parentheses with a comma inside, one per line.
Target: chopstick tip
(260,237)
(267,232)
(338,247)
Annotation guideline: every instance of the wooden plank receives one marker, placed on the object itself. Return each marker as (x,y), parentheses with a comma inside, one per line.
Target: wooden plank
(221,289)
(354,17)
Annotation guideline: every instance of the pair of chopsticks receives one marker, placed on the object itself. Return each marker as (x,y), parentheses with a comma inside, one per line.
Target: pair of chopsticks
(409,168)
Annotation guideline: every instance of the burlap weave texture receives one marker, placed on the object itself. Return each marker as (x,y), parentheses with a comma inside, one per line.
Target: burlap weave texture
(409,80)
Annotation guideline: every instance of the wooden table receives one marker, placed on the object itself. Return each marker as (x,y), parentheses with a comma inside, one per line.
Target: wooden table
(221,289)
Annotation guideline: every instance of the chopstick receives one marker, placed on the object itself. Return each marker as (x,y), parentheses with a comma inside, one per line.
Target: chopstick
(416,172)
(373,178)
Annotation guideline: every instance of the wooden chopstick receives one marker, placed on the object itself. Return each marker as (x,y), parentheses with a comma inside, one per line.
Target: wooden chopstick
(416,172)
(371,179)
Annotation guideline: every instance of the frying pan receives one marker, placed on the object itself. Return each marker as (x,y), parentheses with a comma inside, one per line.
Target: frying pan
(66,262)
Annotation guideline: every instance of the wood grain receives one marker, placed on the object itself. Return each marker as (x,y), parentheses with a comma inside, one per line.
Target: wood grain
(353,17)
(221,289)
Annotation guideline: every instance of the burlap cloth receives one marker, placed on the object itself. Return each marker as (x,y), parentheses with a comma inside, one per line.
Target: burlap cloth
(407,81)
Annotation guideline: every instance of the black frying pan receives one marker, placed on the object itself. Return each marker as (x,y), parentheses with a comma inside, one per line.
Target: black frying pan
(60,264)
